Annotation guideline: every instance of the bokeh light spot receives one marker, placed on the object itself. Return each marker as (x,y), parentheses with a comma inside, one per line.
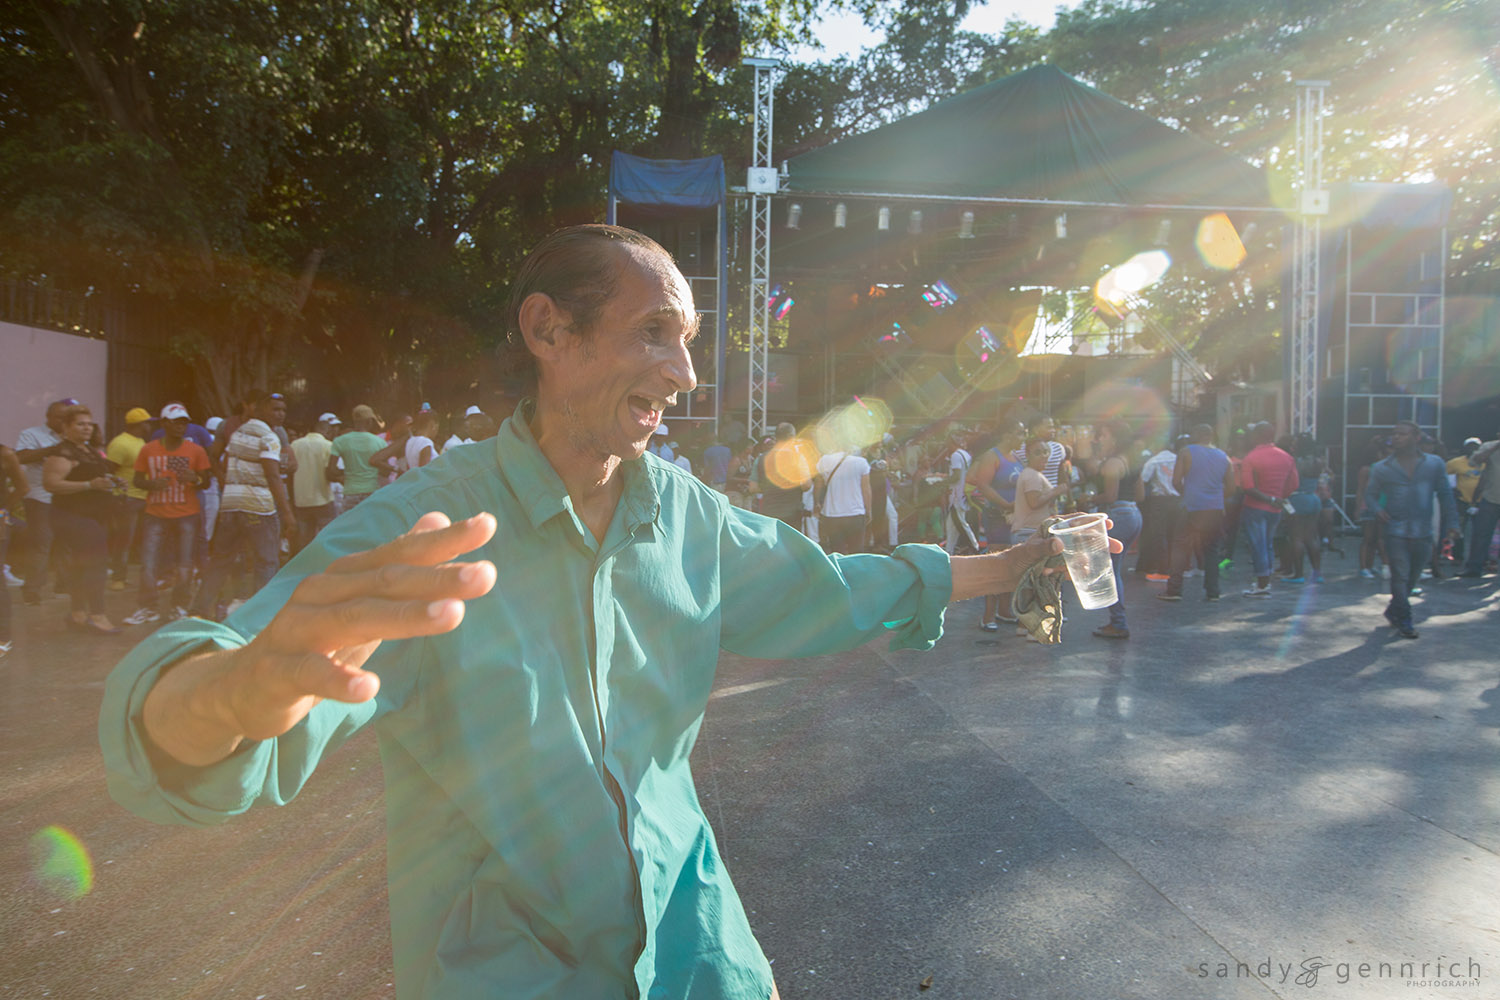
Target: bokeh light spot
(1218,243)
(1136,274)
(859,424)
(61,863)
(791,463)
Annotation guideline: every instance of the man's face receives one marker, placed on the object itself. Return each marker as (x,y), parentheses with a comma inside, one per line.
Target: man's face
(140,430)
(473,425)
(1404,438)
(54,417)
(1046,430)
(1037,457)
(174,430)
(613,383)
(272,411)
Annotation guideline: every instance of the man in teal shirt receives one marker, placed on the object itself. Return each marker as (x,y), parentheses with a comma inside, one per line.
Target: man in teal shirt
(537,702)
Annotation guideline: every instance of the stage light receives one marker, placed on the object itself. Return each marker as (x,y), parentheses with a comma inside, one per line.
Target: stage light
(1218,244)
(794,216)
(940,295)
(914,223)
(966,226)
(1061,224)
(1137,273)
(840,216)
(883,220)
(1163,232)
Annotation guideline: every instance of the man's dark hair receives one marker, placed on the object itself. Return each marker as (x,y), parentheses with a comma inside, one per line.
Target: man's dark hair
(1415,429)
(578,268)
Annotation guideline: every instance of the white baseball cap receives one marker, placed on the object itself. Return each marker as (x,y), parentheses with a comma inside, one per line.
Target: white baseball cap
(213,424)
(662,430)
(473,410)
(329,418)
(174,411)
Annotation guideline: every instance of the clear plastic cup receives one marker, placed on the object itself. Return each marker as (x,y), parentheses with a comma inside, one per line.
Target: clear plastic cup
(1085,541)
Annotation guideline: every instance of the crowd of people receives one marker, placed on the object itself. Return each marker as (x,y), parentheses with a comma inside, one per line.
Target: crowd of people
(530,616)
(229,500)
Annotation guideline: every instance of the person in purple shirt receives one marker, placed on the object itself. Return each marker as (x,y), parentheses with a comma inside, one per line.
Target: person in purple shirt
(1204,476)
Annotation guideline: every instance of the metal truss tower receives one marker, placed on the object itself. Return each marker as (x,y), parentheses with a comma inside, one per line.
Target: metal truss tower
(1306,243)
(762,183)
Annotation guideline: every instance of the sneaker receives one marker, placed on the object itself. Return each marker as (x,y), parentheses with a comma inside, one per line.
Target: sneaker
(1192,572)
(1406,631)
(1169,597)
(1224,565)
(176,613)
(5,648)
(1294,579)
(1365,574)
(1158,577)
(1469,574)
(1111,632)
(143,616)
(1385,572)
(989,626)
(11,580)
(1317,578)
(1257,591)
(1212,598)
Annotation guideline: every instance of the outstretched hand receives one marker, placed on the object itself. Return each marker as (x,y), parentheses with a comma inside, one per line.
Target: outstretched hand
(999,572)
(318,643)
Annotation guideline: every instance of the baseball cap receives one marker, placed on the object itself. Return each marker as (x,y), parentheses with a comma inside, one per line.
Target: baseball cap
(662,430)
(1469,441)
(138,415)
(213,424)
(473,410)
(363,412)
(329,418)
(174,411)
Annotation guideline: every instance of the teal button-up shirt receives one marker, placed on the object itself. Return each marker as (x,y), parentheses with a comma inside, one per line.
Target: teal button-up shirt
(544,835)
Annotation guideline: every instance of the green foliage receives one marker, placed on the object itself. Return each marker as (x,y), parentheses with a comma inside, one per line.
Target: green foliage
(339,189)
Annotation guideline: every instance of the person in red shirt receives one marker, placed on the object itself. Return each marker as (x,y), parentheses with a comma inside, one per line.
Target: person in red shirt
(172,469)
(1268,476)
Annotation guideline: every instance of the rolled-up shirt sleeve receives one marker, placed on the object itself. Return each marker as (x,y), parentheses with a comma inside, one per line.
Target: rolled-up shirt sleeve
(153,785)
(782,596)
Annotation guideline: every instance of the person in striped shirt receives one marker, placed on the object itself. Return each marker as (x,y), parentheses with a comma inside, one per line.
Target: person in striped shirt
(254,509)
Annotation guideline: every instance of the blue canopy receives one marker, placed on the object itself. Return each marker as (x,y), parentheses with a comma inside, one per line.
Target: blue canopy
(679,183)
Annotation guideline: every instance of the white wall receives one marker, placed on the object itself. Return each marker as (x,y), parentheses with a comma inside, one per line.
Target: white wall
(40,366)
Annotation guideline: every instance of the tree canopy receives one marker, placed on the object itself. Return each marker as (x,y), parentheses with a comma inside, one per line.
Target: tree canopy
(342,188)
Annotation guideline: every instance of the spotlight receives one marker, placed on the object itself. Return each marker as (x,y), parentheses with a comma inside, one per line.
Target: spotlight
(883,220)
(794,216)
(914,224)
(966,226)
(840,216)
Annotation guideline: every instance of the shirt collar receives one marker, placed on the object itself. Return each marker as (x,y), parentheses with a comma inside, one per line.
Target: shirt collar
(540,489)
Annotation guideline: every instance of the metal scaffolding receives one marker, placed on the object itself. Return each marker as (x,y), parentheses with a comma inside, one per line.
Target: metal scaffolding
(762,183)
(1306,243)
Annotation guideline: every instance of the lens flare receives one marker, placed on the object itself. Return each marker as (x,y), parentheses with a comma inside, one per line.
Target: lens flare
(1138,273)
(1218,243)
(61,863)
(791,463)
(859,424)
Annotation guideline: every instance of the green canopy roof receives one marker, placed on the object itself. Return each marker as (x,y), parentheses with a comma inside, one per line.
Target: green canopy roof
(1038,135)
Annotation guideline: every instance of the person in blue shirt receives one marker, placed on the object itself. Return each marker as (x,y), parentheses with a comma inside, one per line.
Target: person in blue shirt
(531,624)
(1401,491)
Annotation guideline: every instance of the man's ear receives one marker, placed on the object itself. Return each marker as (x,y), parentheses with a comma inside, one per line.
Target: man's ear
(545,325)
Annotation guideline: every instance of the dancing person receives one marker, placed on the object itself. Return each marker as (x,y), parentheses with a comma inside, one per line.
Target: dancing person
(532,629)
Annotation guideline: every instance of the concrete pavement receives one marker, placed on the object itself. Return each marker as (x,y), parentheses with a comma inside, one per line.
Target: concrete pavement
(1247,799)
